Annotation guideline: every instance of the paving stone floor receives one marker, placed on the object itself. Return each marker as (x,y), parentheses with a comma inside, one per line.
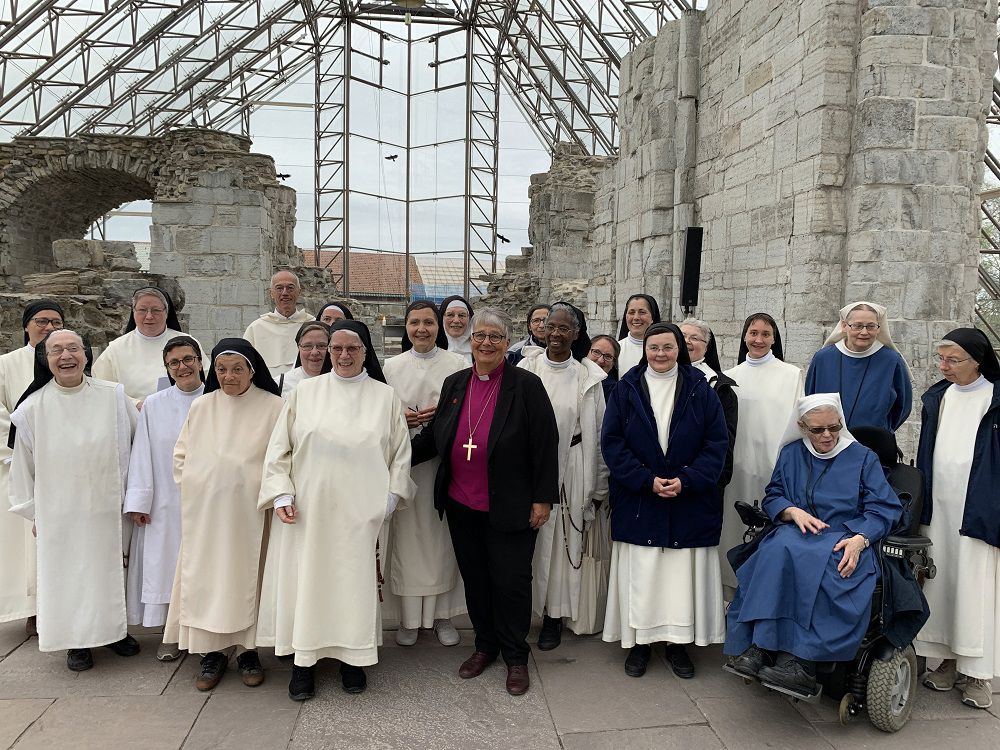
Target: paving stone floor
(580,699)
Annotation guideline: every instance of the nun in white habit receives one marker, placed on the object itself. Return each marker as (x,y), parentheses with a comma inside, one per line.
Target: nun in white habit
(152,498)
(573,384)
(71,436)
(456,320)
(423,571)
(768,389)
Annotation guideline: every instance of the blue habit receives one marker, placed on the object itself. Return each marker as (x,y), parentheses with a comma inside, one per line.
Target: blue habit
(790,596)
(875,391)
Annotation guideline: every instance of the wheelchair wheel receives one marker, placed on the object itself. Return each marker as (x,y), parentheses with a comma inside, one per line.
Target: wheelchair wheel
(891,687)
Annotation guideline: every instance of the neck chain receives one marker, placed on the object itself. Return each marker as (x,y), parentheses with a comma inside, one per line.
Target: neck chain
(470,446)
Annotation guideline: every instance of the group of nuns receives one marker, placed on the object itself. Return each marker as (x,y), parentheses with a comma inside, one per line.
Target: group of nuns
(656,444)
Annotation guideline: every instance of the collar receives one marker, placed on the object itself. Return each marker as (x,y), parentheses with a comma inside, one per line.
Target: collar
(557,365)
(842,445)
(633,340)
(426,355)
(709,372)
(141,335)
(769,357)
(670,374)
(286,317)
(842,348)
(975,385)
(190,394)
(71,389)
(495,374)
(363,375)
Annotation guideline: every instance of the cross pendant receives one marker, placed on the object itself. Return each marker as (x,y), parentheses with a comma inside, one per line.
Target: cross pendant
(468,448)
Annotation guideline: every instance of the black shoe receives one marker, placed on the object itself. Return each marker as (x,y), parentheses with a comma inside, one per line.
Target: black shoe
(213,666)
(302,686)
(551,635)
(353,679)
(793,675)
(250,669)
(127,646)
(638,660)
(679,661)
(79,659)
(751,661)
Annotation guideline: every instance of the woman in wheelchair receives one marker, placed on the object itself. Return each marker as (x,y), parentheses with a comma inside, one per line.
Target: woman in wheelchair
(805,595)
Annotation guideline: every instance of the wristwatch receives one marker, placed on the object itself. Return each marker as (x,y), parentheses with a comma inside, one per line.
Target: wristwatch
(868,542)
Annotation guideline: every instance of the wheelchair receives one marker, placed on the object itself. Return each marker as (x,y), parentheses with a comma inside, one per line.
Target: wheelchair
(881,679)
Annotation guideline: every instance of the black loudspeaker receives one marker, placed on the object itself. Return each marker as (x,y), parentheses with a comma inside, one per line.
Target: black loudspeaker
(691,273)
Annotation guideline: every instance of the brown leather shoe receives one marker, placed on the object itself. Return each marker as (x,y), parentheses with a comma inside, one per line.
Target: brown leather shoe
(517,679)
(475,665)
(250,669)
(213,666)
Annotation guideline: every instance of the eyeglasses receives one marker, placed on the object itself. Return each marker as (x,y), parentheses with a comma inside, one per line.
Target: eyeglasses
(600,356)
(142,312)
(481,336)
(858,327)
(536,321)
(694,338)
(187,361)
(336,350)
(42,322)
(657,349)
(551,328)
(56,351)
(311,347)
(951,361)
(832,429)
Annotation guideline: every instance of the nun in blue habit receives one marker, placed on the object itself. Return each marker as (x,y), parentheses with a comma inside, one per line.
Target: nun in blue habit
(805,595)
(860,362)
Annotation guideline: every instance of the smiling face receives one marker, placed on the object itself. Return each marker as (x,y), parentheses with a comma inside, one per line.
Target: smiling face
(561,331)
(150,315)
(234,374)
(759,338)
(536,323)
(66,358)
(422,329)
(184,366)
(41,324)
(867,324)
(347,353)
(694,338)
(456,321)
(638,317)
(826,418)
(331,314)
(956,365)
(488,355)
(605,356)
(662,352)
(285,292)
(312,351)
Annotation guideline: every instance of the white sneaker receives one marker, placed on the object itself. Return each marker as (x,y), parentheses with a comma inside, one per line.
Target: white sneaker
(978,693)
(446,633)
(406,636)
(168,652)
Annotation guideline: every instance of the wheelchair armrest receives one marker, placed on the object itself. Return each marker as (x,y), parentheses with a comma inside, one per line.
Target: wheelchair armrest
(751,515)
(898,546)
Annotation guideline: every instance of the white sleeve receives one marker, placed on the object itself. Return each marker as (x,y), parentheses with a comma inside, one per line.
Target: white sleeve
(284,501)
(391,503)
(139,490)
(22,469)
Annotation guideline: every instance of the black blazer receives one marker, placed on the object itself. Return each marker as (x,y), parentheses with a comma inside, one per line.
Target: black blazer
(522,450)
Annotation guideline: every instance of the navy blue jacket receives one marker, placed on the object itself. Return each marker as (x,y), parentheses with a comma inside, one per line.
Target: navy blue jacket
(698,441)
(981,519)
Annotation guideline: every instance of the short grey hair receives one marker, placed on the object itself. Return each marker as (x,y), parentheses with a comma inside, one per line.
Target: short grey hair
(494,316)
(573,315)
(298,284)
(701,325)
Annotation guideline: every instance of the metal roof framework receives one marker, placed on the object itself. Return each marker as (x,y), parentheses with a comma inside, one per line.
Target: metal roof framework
(144,66)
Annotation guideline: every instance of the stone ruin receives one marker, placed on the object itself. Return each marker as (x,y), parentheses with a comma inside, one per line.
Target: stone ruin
(832,151)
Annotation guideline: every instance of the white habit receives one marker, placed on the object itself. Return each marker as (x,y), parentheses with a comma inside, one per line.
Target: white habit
(577,398)
(273,335)
(217,463)
(135,361)
(657,594)
(17,545)
(964,597)
(290,379)
(340,447)
(631,353)
(767,392)
(423,571)
(152,490)
(68,476)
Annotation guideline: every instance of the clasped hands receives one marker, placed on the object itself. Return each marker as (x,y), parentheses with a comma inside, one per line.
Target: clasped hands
(667,487)
(419,417)
(851,545)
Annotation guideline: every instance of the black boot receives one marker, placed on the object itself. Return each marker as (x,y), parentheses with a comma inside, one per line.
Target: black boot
(302,686)
(353,679)
(796,675)
(638,660)
(751,661)
(127,646)
(79,659)
(551,635)
(679,660)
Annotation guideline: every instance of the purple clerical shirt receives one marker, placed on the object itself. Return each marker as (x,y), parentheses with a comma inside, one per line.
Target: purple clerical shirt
(469,479)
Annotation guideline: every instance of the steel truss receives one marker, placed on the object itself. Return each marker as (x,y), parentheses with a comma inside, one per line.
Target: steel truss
(145,66)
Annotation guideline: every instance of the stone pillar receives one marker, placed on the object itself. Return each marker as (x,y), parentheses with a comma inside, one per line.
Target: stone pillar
(215,241)
(924,85)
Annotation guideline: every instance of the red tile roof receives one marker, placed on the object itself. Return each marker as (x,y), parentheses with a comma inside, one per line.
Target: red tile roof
(371,274)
